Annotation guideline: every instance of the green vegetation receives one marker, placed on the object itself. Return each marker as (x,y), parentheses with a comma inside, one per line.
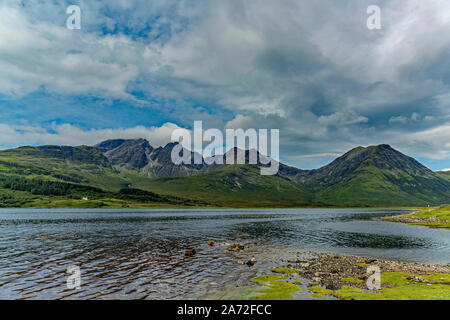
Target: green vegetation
(404,289)
(369,185)
(353,280)
(233,186)
(275,288)
(429,217)
(267,279)
(397,286)
(285,270)
(444,175)
(60,175)
(434,218)
(82,165)
(18,191)
(319,292)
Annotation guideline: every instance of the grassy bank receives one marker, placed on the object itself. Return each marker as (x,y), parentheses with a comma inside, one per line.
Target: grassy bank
(345,277)
(429,217)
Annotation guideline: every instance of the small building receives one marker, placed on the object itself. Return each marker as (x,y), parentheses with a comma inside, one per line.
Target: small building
(85,198)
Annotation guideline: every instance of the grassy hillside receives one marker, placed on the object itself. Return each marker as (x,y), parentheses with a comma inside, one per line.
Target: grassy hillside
(234,185)
(19,191)
(51,176)
(83,165)
(444,175)
(369,186)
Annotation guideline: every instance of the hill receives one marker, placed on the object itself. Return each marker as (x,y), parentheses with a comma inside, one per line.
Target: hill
(364,176)
(377,175)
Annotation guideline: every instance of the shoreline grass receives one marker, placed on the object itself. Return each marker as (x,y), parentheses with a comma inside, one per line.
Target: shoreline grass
(436,217)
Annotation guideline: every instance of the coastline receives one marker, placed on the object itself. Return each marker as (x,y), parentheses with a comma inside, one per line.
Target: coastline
(345,277)
(437,217)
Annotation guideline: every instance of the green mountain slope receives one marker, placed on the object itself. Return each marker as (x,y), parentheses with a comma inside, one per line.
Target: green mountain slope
(233,185)
(82,165)
(444,175)
(378,175)
(372,176)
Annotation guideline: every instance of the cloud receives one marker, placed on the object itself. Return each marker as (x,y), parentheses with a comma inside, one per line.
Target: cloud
(342,119)
(311,69)
(431,143)
(43,55)
(415,116)
(67,134)
(398,119)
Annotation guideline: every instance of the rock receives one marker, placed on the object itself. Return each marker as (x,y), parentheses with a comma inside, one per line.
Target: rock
(189,251)
(236,247)
(253,260)
(250,263)
(241,262)
(211,243)
(332,287)
(304,265)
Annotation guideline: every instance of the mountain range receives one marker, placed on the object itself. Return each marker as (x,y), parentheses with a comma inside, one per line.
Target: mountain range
(121,173)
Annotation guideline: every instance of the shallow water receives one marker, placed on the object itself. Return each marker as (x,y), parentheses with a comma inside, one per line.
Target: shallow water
(139,254)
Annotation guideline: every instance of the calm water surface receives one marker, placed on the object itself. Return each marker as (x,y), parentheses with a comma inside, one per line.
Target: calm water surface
(139,254)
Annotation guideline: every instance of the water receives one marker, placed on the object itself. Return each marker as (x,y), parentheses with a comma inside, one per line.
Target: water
(139,254)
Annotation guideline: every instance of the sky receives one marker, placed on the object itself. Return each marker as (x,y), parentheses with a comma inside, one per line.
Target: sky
(312,69)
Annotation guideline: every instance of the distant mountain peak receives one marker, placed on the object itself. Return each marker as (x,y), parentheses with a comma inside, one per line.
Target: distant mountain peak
(126,154)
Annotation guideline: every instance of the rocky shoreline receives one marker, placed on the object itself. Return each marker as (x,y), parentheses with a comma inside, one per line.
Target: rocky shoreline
(347,277)
(318,275)
(438,217)
(334,271)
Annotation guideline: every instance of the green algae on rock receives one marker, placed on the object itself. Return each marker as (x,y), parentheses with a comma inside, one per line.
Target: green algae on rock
(274,288)
(285,270)
(430,217)
(350,279)
(400,286)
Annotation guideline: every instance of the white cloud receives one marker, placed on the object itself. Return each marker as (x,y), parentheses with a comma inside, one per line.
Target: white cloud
(431,143)
(342,119)
(67,134)
(398,119)
(40,54)
(310,68)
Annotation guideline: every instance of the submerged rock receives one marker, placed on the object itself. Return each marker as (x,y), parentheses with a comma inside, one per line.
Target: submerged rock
(189,251)
(236,247)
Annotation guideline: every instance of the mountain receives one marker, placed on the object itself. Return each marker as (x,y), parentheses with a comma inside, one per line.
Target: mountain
(376,175)
(364,176)
(444,175)
(82,164)
(233,185)
(138,155)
